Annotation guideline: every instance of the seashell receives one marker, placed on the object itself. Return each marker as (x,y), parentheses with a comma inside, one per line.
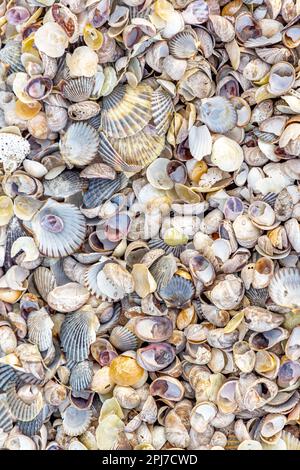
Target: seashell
(183,45)
(102,189)
(267,339)
(175,431)
(290,37)
(162,110)
(79,135)
(178,292)
(81,376)
(200,142)
(32,428)
(168,388)
(83,111)
(228,293)
(155,356)
(292,443)
(125,371)
(157,174)
(10,54)
(288,374)
(14,149)
(51,39)
(39,87)
(58,222)
(76,422)
(126,111)
(283,287)
(218,113)
(201,415)
(83,62)
(6,422)
(20,409)
(127,397)
(227,154)
(281,79)
(109,281)
(222,27)
(123,339)
(197,12)
(40,326)
(45,281)
(78,332)
(7,210)
(153,329)
(78,89)
(67,298)
(292,348)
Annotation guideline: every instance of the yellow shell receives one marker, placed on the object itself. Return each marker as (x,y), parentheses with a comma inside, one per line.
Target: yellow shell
(174,237)
(199,169)
(27,111)
(6,210)
(92,37)
(125,370)
(28,46)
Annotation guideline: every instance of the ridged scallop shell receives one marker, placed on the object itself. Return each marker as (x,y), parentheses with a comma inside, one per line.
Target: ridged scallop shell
(20,410)
(64,185)
(218,113)
(102,189)
(81,376)
(14,230)
(257,297)
(183,45)
(78,89)
(292,443)
(6,422)
(44,281)
(40,327)
(11,55)
(162,110)
(65,241)
(83,111)
(77,334)
(123,339)
(155,243)
(7,375)
(79,145)
(140,149)
(284,288)
(102,286)
(31,428)
(110,156)
(75,421)
(126,111)
(178,292)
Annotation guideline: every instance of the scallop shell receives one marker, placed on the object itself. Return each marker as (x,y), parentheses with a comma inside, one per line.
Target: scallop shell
(77,334)
(75,421)
(219,114)
(31,428)
(162,110)
(110,156)
(78,89)
(184,45)
(44,280)
(64,185)
(163,270)
(102,189)
(140,149)
(40,328)
(11,54)
(81,376)
(126,111)
(178,292)
(292,443)
(6,422)
(284,288)
(14,230)
(123,339)
(108,282)
(79,145)
(65,233)
(20,410)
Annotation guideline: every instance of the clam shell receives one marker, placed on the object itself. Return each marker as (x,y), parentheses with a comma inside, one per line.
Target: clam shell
(40,328)
(79,145)
(78,89)
(81,376)
(70,226)
(75,421)
(284,288)
(219,114)
(153,329)
(178,292)
(68,298)
(156,356)
(77,334)
(126,111)
(163,269)
(123,339)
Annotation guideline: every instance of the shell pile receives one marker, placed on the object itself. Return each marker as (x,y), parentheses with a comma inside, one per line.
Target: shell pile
(150,224)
